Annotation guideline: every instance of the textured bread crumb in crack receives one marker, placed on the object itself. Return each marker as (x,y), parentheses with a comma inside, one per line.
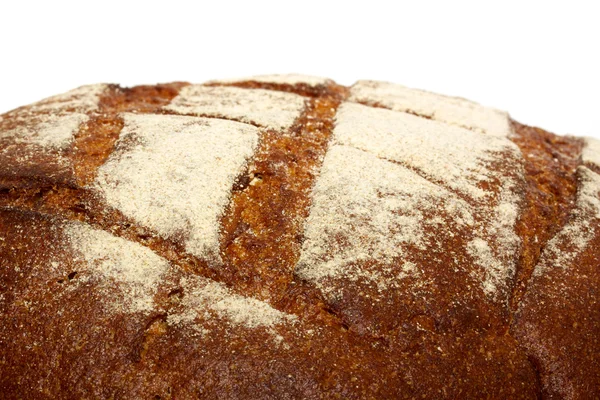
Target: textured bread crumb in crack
(267,108)
(202,295)
(451,110)
(174,174)
(53,122)
(458,157)
(122,265)
(562,250)
(365,208)
(286,79)
(591,152)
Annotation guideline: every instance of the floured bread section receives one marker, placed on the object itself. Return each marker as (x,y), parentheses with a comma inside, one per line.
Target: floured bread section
(79,99)
(495,245)
(266,108)
(174,174)
(459,158)
(451,110)
(119,264)
(53,122)
(562,250)
(129,274)
(368,209)
(591,152)
(51,131)
(282,79)
(385,170)
(203,297)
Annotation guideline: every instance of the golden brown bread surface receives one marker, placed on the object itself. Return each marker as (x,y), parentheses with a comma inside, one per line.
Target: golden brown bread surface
(287,237)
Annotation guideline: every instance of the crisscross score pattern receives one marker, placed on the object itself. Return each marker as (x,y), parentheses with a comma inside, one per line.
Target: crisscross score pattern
(287,237)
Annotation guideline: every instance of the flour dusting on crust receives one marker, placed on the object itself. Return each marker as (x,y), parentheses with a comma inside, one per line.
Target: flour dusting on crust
(445,153)
(174,174)
(48,131)
(52,122)
(451,110)
(496,243)
(79,99)
(266,108)
(385,170)
(136,272)
(202,296)
(365,208)
(591,151)
(132,268)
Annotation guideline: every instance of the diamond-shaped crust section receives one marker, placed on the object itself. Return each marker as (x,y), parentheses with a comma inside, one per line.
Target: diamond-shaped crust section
(265,108)
(451,110)
(174,175)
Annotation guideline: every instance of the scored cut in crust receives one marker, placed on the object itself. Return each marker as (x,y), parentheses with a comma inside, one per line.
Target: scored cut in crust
(288,237)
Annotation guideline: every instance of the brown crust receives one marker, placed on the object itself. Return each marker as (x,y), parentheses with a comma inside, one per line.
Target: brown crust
(410,349)
(273,198)
(550,165)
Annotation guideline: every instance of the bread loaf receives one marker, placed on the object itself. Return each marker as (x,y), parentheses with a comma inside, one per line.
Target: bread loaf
(285,237)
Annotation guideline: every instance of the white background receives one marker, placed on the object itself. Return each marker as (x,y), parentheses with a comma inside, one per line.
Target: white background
(539,61)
